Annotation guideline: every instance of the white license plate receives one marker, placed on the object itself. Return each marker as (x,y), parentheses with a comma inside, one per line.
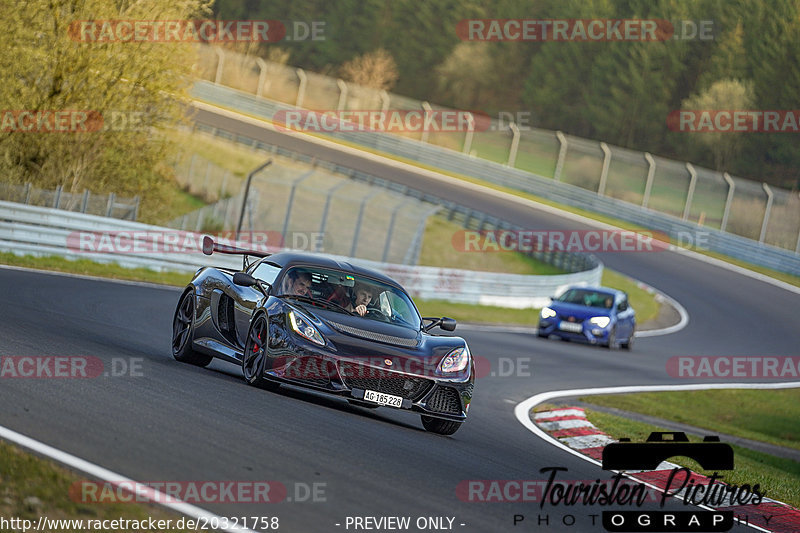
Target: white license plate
(383,399)
(574,327)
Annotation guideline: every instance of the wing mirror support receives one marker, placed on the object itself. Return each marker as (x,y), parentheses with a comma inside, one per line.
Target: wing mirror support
(447,324)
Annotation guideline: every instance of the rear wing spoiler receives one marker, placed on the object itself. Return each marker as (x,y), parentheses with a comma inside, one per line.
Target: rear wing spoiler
(209,247)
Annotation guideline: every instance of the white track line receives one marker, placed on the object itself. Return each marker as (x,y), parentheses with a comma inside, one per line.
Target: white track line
(264,123)
(109,476)
(523,409)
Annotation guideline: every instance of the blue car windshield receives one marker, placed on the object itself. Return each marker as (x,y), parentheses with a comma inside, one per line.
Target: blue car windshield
(587,297)
(383,302)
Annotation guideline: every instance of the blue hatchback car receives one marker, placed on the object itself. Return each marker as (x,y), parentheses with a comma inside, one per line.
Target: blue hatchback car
(597,315)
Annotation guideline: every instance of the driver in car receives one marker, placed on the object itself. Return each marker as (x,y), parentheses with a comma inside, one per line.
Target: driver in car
(298,283)
(362,296)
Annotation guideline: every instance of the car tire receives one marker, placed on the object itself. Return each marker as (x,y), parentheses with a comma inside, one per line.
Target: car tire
(542,335)
(182,328)
(612,339)
(629,344)
(437,425)
(255,354)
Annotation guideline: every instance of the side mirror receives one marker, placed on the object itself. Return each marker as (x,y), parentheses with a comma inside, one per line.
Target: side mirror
(244,279)
(448,324)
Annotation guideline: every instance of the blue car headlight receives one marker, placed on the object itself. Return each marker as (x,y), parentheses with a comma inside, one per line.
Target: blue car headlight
(455,361)
(601,321)
(547,312)
(302,326)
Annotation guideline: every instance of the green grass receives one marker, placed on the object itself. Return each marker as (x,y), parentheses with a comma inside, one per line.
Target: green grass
(479,313)
(438,250)
(24,475)
(763,415)
(88,267)
(643,302)
(779,478)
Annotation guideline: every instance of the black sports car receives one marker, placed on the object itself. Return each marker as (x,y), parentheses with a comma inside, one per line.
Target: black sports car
(313,321)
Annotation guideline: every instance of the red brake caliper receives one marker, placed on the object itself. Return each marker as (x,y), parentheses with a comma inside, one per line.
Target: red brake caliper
(255,346)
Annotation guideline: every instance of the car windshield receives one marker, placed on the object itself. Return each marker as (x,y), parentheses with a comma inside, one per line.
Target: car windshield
(587,297)
(343,292)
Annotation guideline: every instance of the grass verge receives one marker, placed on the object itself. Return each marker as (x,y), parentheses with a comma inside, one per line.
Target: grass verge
(778,478)
(31,487)
(763,415)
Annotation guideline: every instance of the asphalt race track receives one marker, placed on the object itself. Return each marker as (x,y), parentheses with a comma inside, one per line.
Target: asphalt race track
(171,421)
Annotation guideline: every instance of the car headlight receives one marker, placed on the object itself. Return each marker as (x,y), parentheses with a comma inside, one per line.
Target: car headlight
(302,326)
(601,321)
(455,361)
(548,313)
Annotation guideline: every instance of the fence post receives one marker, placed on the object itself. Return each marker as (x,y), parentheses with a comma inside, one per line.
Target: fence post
(223,186)
(470,134)
(220,64)
(601,189)
(327,207)
(764,223)
(728,200)
(290,202)
(246,192)
(85,201)
(512,153)
(57,198)
(426,108)
(342,94)
(27,193)
(262,76)
(390,231)
(301,87)
(384,96)
(689,194)
(562,155)
(651,173)
(200,219)
(204,192)
(136,207)
(110,206)
(797,247)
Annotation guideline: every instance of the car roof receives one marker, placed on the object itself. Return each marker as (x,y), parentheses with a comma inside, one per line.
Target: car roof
(291,259)
(598,288)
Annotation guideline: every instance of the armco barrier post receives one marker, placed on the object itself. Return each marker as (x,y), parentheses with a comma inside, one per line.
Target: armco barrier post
(262,76)
(220,64)
(470,134)
(512,153)
(601,189)
(690,194)
(562,156)
(426,110)
(728,200)
(301,87)
(342,94)
(651,173)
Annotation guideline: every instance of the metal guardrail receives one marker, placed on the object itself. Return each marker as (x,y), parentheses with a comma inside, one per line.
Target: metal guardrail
(45,231)
(109,205)
(732,245)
